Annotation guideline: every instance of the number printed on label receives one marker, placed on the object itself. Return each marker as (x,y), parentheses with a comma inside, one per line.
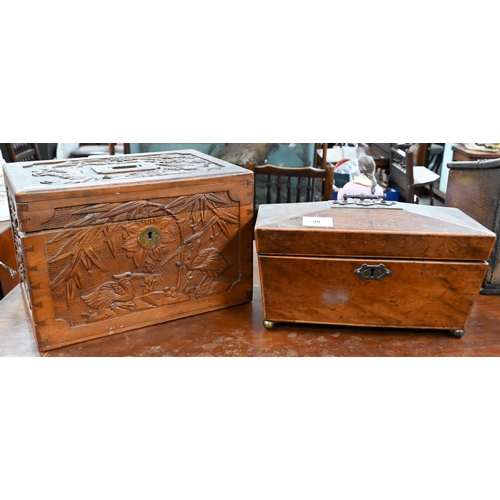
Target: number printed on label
(317,222)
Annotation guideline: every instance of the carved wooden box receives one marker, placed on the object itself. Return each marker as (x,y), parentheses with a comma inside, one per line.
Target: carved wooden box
(395,265)
(106,245)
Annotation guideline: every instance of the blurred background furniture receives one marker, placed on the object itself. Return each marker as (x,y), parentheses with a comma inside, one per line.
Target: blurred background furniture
(22,151)
(407,177)
(242,154)
(295,184)
(333,153)
(462,153)
(274,184)
(320,153)
(8,257)
(430,155)
(474,188)
(8,265)
(91,149)
(46,151)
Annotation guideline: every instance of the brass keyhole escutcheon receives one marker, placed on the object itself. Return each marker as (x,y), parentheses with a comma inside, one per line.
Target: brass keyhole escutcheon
(150,237)
(372,272)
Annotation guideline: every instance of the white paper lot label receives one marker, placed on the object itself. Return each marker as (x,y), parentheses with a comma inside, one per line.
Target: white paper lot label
(317,222)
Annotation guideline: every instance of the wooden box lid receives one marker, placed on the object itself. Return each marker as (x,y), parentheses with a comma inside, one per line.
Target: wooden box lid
(401,230)
(36,188)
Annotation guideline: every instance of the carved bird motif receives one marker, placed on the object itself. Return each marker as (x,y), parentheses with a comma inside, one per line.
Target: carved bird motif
(112,295)
(209,261)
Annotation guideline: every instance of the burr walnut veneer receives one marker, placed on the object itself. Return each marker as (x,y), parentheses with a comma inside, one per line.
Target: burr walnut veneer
(110,244)
(382,265)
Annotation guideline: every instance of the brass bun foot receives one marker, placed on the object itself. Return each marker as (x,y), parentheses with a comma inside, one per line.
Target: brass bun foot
(458,333)
(268,324)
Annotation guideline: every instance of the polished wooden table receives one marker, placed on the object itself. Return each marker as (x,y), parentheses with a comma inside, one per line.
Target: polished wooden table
(238,331)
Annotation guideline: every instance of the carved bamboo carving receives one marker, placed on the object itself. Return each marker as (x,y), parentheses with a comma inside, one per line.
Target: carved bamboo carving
(178,249)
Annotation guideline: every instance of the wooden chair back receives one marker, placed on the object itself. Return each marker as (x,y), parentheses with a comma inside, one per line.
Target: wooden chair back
(401,172)
(320,158)
(430,155)
(22,151)
(422,154)
(407,176)
(295,184)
